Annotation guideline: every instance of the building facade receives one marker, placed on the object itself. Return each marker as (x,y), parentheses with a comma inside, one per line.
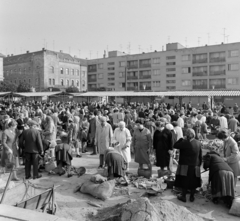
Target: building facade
(1,67)
(46,69)
(177,68)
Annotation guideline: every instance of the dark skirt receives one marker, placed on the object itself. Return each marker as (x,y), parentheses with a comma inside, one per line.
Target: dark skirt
(191,181)
(222,184)
(116,165)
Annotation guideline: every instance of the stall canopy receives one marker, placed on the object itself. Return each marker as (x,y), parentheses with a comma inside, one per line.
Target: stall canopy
(36,94)
(160,93)
(2,94)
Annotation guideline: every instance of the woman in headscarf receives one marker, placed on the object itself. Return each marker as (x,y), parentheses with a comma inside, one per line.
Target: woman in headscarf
(188,171)
(142,144)
(221,178)
(230,152)
(116,164)
(163,144)
(122,135)
(49,133)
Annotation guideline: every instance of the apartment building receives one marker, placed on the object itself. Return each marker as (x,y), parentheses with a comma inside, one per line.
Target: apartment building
(176,68)
(1,67)
(46,69)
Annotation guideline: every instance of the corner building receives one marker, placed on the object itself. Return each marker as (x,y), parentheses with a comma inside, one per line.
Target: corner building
(46,69)
(177,68)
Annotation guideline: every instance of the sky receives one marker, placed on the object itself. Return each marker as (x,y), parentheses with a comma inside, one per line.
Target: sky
(87,28)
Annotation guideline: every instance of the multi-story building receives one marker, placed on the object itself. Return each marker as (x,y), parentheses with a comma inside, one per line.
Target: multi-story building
(1,67)
(46,69)
(177,68)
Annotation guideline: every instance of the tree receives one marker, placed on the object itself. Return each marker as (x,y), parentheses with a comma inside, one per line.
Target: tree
(72,89)
(23,87)
(8,86)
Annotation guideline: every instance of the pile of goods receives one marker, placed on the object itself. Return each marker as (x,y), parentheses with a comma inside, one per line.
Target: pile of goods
(216,145)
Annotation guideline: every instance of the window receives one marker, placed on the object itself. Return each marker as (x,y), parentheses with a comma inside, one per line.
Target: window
(217,83)
(200,71)
(171,75)
(170,69)
(77,83)
(111,84)
(233,67)
(83,74)
(186,70)
(61,70)
(170,87)
(122,85)
(200,84)
(53,81)
(83,83)
(100,66)
(171,81)
(232,81)
(217,56)
(122,64)
(144,74)
(62,82)
(156,83)
(100,76)
(145,85)
(234,53)
(186,82)
(67,82)
(100,85)
(171,57)
(121,74)
(111,69)
(156,72)
(145,63)
(186,57)
(67,71)
(50,81)
(200,58)
(217,70)
(77,71)
(132,64)
(111,79)
(52,69)
(110,74)
(72,82)
(171,63)
(92,68)
(72,71)
(156,60)
(111,63)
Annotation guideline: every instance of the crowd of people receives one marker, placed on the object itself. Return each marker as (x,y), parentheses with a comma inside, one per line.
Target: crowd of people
(116,131)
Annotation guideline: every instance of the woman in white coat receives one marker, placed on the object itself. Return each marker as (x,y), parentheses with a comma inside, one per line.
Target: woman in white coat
(122,135)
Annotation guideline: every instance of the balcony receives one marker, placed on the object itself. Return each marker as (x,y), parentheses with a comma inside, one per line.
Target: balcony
(145,77)
(132,88)
(144,65)
(217,60)
(199,74)
(203,86)
(217,73)
(132,77)
(132,66)
(218,86)
(200,61)
(92,79)
(147,88)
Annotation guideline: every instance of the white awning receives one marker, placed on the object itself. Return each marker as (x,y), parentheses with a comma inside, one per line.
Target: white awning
(36,94)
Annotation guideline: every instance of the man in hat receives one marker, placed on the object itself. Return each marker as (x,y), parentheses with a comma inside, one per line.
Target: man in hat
(31,143)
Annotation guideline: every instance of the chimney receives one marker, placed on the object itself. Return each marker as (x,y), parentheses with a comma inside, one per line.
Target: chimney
(27,52)
(61,51)
(11,54)
(104,55)
(43,49)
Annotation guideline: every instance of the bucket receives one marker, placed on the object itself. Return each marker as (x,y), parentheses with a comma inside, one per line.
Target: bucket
(147,173)
(170,183)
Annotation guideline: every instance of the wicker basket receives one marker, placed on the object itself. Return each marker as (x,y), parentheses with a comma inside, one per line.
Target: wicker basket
(170,183)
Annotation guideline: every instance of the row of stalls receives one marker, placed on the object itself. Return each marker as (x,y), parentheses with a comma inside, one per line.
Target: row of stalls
(229,98)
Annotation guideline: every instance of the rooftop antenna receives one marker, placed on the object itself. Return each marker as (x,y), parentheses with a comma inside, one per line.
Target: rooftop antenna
(139,49)
(224,35)
(208,38)
(129,48)
(44,43)
(227,37)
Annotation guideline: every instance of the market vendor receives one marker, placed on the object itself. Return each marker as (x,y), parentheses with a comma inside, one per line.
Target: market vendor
(116,165)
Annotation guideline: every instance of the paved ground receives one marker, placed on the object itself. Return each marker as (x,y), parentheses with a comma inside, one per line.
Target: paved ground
(75,205)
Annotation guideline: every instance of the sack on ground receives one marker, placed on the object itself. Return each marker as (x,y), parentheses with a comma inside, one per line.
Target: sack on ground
(235,207)
(98,178)
(50,166)
(101,191)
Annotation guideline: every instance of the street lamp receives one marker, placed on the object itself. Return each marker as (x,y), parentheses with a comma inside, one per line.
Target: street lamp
(144,87)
